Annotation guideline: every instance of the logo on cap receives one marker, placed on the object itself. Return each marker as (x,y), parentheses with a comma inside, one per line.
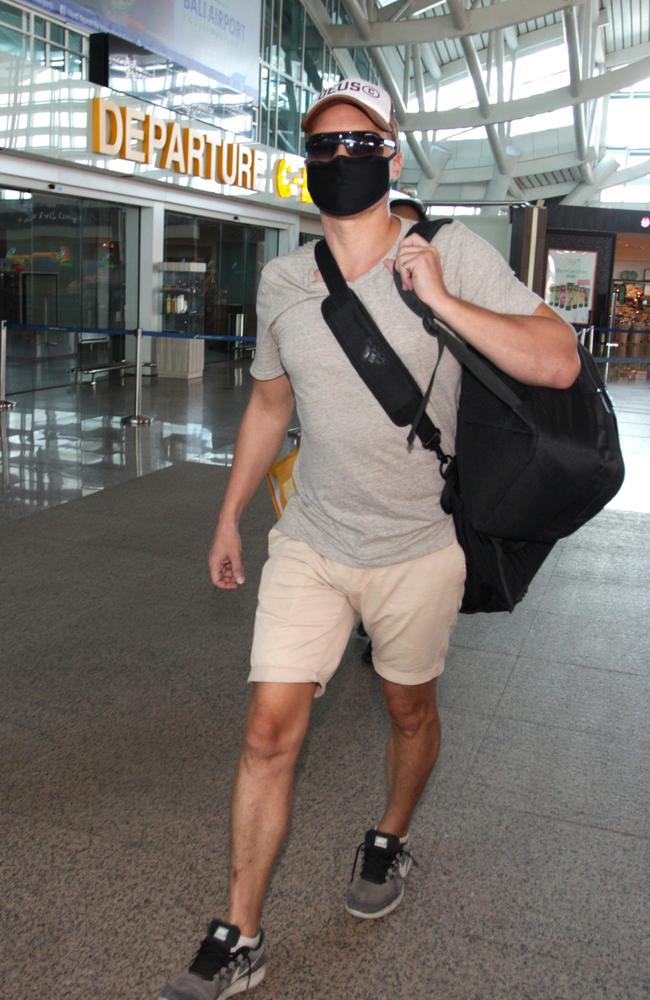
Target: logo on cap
(370,91)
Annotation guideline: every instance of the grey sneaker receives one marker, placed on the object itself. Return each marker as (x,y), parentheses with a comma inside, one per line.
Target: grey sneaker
(217,972)
(379,887)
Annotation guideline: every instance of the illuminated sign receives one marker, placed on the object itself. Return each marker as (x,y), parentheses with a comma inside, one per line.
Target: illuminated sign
(131,133)
(290,182)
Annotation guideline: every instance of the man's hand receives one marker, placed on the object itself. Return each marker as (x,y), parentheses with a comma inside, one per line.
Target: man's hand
(421,271)
(224,559)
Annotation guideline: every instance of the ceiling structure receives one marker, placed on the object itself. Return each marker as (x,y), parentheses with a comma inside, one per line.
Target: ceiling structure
(504,100)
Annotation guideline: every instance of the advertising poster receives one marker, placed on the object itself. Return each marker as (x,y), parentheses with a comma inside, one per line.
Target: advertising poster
(217,37)
(570,280)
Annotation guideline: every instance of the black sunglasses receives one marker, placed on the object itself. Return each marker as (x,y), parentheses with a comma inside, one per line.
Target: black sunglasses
(324,146)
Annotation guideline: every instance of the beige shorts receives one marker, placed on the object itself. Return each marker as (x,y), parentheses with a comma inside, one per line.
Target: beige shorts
(308,605)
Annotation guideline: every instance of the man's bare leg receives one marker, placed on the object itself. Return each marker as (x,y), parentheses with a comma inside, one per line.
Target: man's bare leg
(413,748)
(278,717)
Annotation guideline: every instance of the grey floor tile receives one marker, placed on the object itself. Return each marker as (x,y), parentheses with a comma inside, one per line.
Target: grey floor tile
(590,598)
(474,680)
(580,777)
(495,633)
(579,698)
(607,564)
(621,644)
(554,889)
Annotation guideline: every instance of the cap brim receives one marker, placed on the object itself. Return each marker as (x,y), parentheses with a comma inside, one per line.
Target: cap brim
(338,99)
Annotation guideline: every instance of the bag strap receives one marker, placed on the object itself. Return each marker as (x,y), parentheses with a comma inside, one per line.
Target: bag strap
(364,344)
(464,354)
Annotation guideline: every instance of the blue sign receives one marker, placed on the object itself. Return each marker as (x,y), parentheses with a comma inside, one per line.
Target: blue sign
(218,37)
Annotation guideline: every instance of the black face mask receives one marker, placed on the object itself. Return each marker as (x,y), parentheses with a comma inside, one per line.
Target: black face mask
(344,186)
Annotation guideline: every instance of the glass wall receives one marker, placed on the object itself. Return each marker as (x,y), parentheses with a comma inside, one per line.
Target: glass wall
(64,263)
(295,66)
(42,40)
(234,256)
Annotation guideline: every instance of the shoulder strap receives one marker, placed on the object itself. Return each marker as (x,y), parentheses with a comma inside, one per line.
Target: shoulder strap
(373,358)
(464,354)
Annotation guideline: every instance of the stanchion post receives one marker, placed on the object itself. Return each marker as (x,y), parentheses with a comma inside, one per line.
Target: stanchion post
(5,404)
(136,419)
(610,344)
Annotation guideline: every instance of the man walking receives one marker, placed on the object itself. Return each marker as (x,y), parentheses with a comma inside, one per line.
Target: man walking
(365,533)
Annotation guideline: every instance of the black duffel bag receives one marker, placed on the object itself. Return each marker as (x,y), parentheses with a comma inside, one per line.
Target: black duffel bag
(532,464)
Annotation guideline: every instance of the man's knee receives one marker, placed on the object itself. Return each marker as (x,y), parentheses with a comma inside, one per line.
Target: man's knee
(410,708)
(276,726)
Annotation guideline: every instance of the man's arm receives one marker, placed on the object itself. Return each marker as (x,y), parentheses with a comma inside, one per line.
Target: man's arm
(260,436)
(539,349)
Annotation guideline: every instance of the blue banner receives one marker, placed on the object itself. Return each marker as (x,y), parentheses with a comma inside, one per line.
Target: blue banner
(218,37)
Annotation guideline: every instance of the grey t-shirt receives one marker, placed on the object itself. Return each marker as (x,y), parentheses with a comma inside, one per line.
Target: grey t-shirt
(361,497)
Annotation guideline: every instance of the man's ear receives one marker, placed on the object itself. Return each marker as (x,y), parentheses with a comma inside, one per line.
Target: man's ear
(396,165)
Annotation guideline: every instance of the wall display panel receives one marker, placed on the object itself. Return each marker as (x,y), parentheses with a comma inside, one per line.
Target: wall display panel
(214,36)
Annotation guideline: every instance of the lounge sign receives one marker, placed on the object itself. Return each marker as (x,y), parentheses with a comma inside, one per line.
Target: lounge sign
(132,133)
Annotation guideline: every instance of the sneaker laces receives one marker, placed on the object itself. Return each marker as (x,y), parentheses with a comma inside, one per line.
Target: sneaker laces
(213,960)
(379,864)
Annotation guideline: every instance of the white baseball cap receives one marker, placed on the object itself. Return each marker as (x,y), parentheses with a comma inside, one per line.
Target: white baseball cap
(373,100)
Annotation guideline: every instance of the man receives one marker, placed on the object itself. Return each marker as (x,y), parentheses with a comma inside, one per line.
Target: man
(406,207)
(365,533)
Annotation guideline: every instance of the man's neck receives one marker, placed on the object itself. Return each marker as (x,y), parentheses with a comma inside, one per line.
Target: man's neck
(359,242)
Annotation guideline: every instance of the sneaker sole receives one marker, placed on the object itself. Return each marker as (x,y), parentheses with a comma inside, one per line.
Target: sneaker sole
(378,913)
(244,984)
(240,986)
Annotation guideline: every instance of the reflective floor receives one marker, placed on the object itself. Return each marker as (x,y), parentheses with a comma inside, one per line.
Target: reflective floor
(62,444)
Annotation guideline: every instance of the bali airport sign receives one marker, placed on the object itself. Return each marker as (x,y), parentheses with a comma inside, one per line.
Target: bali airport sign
(135,134)
(219,38)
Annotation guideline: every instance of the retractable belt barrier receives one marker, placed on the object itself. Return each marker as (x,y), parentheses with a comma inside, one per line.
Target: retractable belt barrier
(588,333)
(136,418)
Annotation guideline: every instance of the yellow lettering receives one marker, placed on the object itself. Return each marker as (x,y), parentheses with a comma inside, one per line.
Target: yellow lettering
(193,148)
(172,155)
(227,163)
(155,135)
(132,133)
(246,173)
(304,190)
(107,127)
(283,179)
(210,160)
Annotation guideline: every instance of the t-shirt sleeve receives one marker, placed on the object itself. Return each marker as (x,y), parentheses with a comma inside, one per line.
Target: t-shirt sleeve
(487,280)
(266,364)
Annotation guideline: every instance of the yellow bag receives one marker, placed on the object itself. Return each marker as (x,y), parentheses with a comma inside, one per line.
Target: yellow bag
(280,481)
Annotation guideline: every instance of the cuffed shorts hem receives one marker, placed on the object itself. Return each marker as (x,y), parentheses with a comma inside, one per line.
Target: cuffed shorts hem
(405,677)
(276,675)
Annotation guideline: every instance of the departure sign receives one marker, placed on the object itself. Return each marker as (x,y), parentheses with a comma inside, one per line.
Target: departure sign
(132,133)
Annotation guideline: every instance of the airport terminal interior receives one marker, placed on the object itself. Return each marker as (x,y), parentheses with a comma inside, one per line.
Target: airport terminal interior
(152,163)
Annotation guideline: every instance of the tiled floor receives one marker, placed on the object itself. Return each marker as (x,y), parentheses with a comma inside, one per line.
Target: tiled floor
(62,444)
(123,699)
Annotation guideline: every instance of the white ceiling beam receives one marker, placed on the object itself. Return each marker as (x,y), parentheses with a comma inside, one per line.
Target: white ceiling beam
(630,54)
(573,49)
(437,29)
(430,61)
(629,174)
(525,107)
(503,160)
(532,41)
(547,164)
(584,193)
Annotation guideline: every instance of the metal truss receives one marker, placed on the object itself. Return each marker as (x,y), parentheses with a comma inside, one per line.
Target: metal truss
(405,38)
